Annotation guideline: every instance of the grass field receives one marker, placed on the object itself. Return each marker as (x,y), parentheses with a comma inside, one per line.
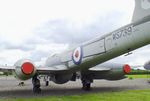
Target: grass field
(130,95)
(138,76)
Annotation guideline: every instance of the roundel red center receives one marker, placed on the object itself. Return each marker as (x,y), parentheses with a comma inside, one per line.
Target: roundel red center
(127,69)
(77,54)
(27,68)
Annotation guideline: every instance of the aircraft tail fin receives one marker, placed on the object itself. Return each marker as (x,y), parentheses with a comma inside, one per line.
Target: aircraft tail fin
(142,9)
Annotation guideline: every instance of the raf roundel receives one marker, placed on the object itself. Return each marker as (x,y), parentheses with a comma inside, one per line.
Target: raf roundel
(77,56)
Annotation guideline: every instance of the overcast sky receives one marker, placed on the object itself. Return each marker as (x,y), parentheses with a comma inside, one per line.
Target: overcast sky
(35,29)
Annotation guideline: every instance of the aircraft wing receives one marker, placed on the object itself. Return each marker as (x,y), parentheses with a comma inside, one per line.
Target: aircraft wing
(98,68)
(62,68)
(47,70)
(7,68)
(39,69)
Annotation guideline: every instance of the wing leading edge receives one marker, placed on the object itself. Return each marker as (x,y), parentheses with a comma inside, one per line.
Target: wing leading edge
(39,69)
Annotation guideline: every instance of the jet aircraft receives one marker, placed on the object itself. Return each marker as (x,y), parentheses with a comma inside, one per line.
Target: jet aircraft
(84,58)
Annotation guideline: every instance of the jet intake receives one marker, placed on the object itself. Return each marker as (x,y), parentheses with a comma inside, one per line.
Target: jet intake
(25,69)
(126,69)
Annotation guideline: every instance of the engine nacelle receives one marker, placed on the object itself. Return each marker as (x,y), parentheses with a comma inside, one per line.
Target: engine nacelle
(118,73)
(61,78)
(24,69)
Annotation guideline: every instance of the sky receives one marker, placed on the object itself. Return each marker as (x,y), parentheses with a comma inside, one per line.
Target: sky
(36,29)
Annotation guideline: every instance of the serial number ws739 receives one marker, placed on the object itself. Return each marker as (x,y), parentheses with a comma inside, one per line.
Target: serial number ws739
(122,33)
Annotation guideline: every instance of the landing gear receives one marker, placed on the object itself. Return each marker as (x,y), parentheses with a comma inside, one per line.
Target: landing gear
(46,79)
(74,76)
(36,85)
(36,90)
(86,86)
(46,83)
(86,82)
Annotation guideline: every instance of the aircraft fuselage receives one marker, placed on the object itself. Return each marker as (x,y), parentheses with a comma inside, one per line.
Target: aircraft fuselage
(101,49)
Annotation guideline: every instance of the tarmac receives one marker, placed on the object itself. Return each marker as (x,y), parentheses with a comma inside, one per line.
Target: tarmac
(9,87)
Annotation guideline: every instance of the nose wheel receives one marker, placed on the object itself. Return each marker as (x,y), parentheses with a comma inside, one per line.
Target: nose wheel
(46,79)
(46,83)
(86,82)
(36,85)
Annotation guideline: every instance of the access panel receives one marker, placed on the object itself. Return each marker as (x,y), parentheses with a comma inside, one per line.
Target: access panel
(108,43)
(94,48)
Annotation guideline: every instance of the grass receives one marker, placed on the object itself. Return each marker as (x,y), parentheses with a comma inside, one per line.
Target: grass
(130,95)
(139,76)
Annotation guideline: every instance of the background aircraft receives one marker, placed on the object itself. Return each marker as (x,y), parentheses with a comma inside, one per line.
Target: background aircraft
(147,65)
(63,67)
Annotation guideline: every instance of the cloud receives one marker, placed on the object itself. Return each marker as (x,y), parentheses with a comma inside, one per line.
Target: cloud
(11,56)
(64,31)
(5,45)
(52,26)
(43,51)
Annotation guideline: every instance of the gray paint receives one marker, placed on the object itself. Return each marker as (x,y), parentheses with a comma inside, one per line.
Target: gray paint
(94,48)
(142,9)
(116,43)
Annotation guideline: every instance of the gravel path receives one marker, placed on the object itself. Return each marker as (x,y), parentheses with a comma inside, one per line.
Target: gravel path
(9,87)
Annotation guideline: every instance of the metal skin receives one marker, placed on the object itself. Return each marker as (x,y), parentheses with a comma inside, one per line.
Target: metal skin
(18,71)
(101,49)
(83,58)
(109,71)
